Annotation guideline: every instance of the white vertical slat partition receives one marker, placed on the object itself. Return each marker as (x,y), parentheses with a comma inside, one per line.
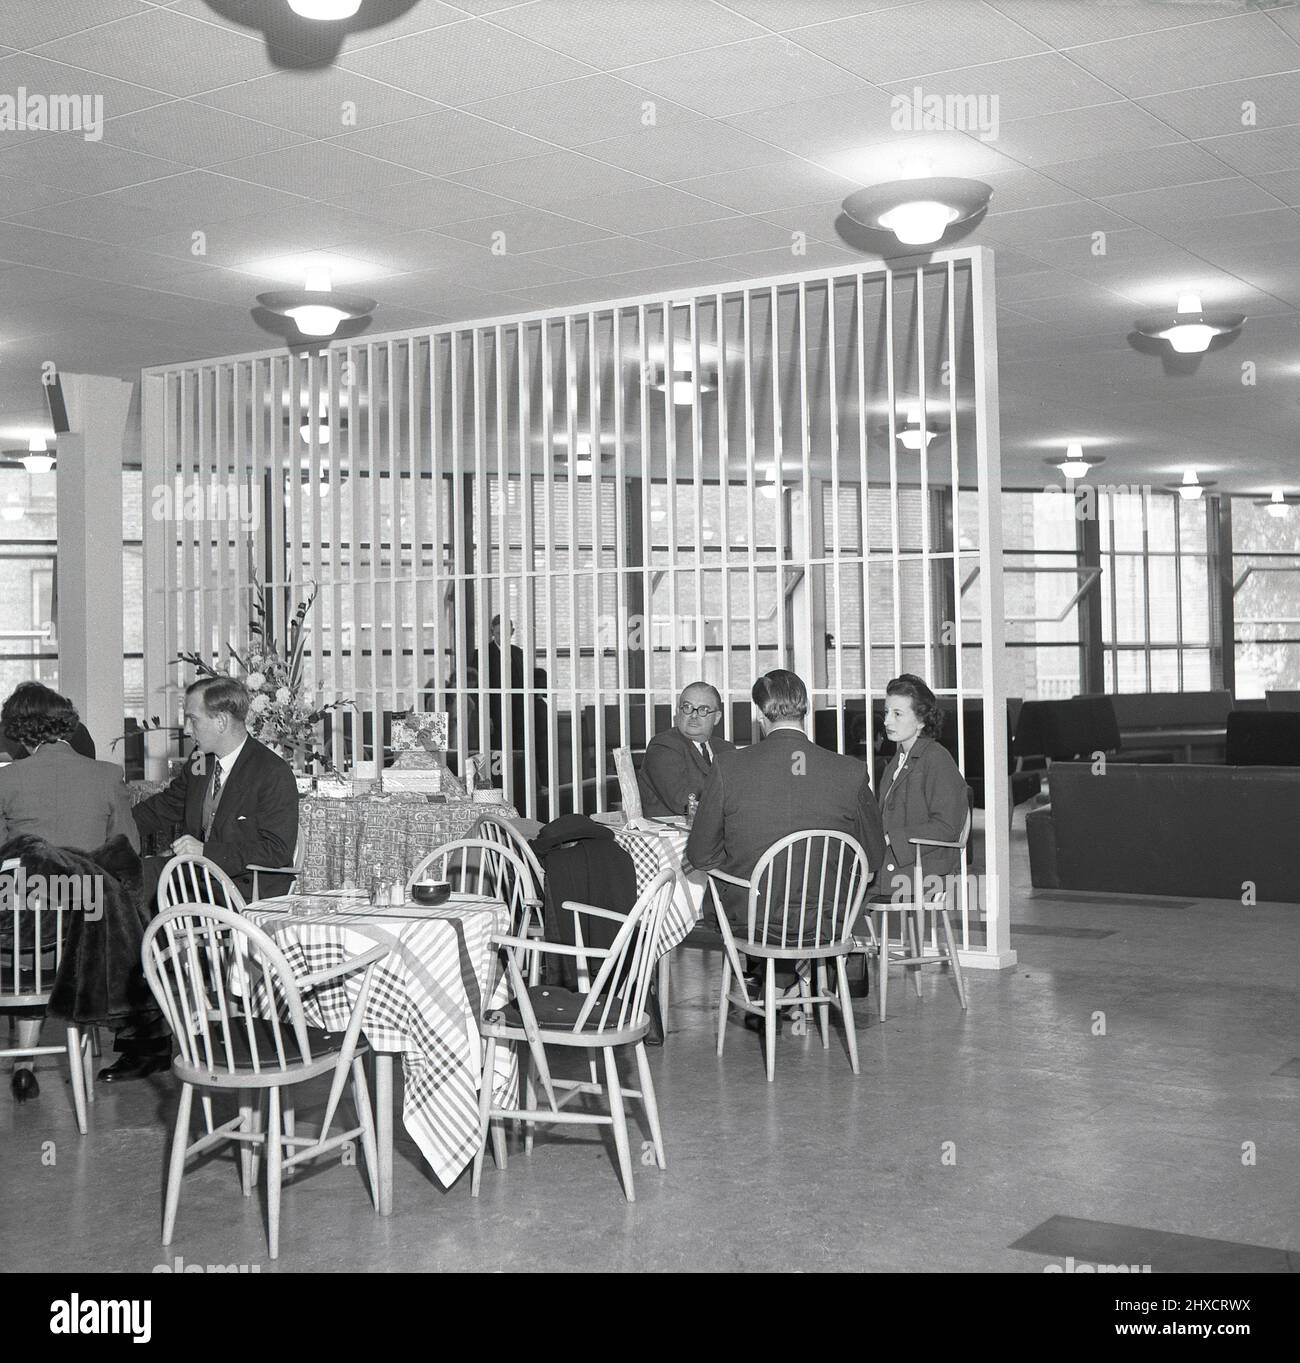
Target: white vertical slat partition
(453,494)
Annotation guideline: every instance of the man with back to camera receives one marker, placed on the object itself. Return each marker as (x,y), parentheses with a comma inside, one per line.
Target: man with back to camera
(784,784)
(678,761)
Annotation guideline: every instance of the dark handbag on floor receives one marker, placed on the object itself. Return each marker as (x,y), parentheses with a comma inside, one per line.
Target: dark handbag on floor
(858,968)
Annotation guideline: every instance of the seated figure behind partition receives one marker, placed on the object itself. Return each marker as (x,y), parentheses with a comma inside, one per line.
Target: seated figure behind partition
(678,762)
(922,793)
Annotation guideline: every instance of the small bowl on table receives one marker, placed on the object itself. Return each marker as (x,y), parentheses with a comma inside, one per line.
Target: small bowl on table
(430,893)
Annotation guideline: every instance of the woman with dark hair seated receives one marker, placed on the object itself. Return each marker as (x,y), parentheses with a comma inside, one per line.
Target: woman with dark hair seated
(55,799)
(922,794)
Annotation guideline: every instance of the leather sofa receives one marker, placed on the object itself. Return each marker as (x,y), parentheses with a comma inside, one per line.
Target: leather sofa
(1179,829)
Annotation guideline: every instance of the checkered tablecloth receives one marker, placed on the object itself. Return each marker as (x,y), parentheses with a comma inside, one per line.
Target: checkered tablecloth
(655,851)
(344,840)
(424,1004)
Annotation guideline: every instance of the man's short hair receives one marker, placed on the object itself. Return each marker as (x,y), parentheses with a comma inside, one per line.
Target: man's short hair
(780,695)
(702,685)
(221,696)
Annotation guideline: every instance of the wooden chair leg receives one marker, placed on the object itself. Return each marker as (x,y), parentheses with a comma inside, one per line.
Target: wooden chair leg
(650,1105)
(77,1073)
(953,963)
(823,1009)
(530,1097)
(176,1165)
(619,1116)
(769,1020)
(915,938)
(274,1172)
(288,1122)
(882,966)
(484,1111)
(89,1049)
(248,1124)
(722,1001)
(366,1121)
(663,985)
(846,1012)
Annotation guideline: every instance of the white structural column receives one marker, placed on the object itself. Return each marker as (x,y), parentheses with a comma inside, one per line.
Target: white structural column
(90,554)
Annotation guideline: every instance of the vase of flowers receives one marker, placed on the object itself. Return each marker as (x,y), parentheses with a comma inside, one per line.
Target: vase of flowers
(283,712)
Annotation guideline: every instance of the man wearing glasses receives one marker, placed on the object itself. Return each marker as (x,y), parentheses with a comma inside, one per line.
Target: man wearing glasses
(677,763)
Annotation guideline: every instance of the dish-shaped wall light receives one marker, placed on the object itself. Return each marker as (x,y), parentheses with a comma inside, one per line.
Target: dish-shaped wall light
(315,309)
(918,210)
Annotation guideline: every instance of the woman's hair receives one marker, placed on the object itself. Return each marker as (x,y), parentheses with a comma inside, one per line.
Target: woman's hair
(34,715)
(780,695)
(222,696)
(924,706)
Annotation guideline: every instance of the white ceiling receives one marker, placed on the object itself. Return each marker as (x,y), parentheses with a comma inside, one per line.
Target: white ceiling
(1115,116)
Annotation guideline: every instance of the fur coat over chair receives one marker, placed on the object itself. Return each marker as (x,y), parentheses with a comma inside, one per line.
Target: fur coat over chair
(101,977)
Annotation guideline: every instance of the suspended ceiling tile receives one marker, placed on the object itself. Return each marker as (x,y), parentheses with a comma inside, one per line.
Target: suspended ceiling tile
(916,40)
(424,203)
(326,104)
(523,230)
(1017,189)
(1167,209)
(1106,129)
(165,50)
(441,143)
(1262,151)
(1043,83)
(645,209)
(575,112)
(779,184)
(206,198)
(1231,107)
(619,33)
(40,74)
(29,23)
(194,135)
(66,161)
(1066,23)
(682,151)
(817,128)
(727,237)
(318,170)
(744,76)
(617,255)
(784,15)
(1231,48)
(1180,163)
(551,180)
(463,63)
(25,196)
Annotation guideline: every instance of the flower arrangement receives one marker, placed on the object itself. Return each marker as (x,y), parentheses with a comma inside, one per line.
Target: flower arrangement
(281,713)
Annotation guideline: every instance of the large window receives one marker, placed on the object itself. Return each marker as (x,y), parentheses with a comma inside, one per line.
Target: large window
(1266,598)
(1155,592)
(29,648)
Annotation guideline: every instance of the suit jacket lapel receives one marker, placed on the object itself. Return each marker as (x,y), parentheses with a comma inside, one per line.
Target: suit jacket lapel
(901,773)
(229,805)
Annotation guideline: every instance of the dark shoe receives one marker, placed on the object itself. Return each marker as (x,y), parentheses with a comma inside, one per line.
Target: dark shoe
(758,1024)
(24,1085)
(134,1067)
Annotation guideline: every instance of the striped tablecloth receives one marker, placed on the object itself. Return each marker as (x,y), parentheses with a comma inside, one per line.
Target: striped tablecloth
(344,840)
(663,848)
(424,1004)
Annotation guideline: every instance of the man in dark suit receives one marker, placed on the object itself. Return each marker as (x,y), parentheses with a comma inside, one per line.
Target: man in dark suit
(516,683)
(678,762)
(782,785)
(238,804)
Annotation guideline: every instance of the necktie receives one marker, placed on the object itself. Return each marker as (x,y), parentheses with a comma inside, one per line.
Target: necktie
(706,754)
(211,800)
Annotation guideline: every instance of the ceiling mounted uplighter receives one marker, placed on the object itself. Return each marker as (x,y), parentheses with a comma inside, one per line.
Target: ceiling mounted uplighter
(1191,488)
(1074,465)
(315,309)
(909,437)
(918,209)
(1190,330)
(325,11)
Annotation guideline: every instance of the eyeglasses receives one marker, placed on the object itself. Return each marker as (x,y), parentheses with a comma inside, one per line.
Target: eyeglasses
(704,711)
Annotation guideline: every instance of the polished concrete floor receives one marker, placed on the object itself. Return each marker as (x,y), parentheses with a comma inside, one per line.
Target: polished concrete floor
(1174,1133)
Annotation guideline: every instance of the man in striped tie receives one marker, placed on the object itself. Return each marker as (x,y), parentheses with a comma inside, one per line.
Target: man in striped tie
(237,804)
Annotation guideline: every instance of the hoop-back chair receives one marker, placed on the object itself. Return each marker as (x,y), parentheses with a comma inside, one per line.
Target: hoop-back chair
(600,1015)
(911,953)
(488,867)
(32,933)
(808,920)
(189,879)
(236,1010)
(498,828)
